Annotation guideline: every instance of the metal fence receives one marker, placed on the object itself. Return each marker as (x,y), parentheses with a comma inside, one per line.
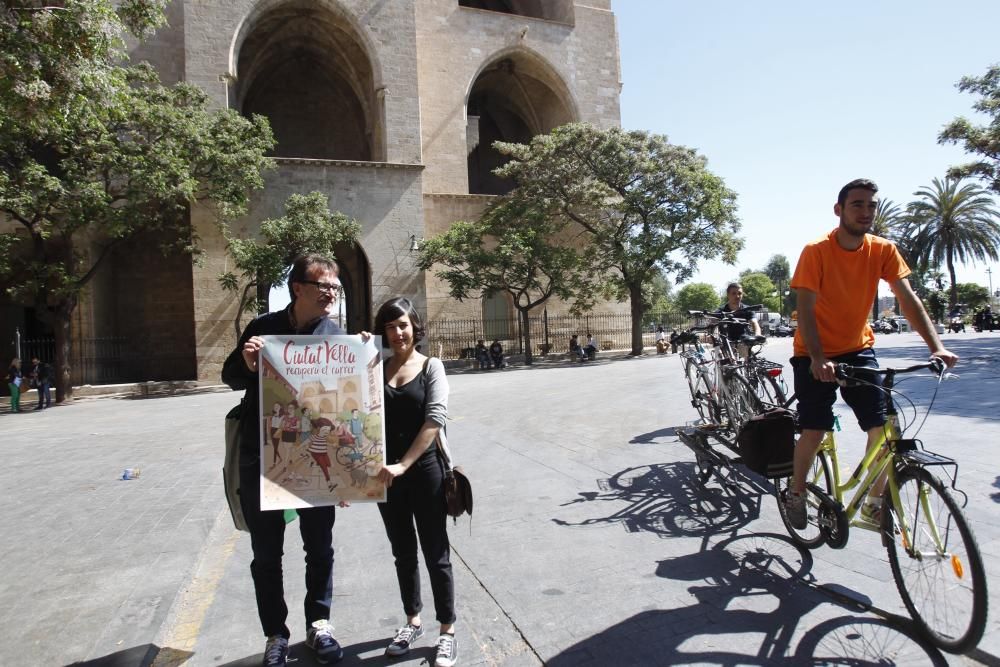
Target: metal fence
(92,360)
(456,338)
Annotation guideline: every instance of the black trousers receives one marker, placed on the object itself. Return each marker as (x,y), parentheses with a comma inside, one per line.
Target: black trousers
(267,536)
(415,508)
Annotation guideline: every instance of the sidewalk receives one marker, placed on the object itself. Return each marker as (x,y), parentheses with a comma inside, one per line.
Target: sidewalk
(592,542)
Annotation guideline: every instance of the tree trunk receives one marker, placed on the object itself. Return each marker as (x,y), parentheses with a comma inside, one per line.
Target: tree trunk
(953,292)
(635,301)
(62,323)
(525,335)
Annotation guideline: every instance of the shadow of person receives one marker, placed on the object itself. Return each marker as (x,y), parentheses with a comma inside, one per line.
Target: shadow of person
(137,655)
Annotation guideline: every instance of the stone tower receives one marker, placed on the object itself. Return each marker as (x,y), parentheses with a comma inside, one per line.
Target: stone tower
(390,108)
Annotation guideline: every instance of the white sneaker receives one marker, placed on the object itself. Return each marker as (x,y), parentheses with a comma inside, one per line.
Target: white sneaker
(447,651)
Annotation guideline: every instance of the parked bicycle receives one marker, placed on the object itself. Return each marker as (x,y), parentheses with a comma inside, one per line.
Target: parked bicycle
(933,554)
(729,383)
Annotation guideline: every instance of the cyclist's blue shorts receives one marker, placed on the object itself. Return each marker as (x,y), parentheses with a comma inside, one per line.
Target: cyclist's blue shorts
(816,398)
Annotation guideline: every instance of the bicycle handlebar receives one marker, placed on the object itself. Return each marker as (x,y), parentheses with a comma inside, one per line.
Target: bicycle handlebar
(722,315)
(936,365)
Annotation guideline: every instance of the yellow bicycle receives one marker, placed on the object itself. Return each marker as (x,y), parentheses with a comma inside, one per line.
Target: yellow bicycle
(932,552)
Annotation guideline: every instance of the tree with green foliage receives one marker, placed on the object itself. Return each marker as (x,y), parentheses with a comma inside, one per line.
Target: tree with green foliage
(780,273)
(307,226)
(973,295)
(643,205)
(698,296)
(953,222)
(518,246)
(982,140)
(758,289)
(657,295)
(94,153)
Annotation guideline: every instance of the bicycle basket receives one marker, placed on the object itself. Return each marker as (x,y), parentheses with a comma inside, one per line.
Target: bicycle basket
(767,443)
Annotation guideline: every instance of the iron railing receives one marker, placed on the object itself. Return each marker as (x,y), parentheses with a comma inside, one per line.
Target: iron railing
(550,334)
(92,360)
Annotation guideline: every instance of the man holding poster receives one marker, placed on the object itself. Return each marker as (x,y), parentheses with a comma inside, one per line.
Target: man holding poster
(313,285)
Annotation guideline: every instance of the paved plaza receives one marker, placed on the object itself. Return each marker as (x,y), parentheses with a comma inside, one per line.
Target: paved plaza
(592,542)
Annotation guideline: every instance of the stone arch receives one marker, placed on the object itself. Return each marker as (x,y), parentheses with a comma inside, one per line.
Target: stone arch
(354,271)
(312,71)
(514,96)
(560,11)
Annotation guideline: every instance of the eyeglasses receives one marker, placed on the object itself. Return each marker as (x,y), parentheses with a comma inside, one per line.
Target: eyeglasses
(326,287)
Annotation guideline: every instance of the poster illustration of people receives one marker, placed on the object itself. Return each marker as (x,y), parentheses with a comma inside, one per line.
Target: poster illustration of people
(323,439)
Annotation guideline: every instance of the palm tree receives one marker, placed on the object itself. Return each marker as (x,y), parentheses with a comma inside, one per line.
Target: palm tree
(889,223)
(950,222)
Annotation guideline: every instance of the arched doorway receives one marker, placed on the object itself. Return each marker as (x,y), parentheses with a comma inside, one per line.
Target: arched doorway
(354,305)
(515,97)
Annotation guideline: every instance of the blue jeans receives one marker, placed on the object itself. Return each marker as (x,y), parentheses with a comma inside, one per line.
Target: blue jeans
(44,395)
(267,536)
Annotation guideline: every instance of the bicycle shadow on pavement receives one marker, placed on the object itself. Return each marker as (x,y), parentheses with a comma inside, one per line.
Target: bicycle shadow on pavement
(752,592)
(667,499)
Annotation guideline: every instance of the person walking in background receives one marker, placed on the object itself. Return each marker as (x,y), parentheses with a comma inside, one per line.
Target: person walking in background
(416,406)
(14,383)
(313,287)
(41,375)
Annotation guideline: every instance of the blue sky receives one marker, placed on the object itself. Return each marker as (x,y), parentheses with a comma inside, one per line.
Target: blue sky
(790,100)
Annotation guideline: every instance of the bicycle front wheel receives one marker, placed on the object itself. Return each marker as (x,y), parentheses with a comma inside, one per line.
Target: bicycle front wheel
(820,479)
(741,400)
(935,561)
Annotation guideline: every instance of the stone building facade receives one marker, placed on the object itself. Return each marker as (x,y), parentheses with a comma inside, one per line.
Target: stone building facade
(389,107)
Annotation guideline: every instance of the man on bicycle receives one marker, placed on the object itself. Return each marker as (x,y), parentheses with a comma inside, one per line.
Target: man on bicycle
(836,281)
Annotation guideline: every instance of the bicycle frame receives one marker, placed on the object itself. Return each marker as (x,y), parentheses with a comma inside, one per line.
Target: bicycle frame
(878,459)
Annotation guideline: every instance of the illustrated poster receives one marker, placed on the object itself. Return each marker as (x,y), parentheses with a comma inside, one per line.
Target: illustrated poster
(323,436)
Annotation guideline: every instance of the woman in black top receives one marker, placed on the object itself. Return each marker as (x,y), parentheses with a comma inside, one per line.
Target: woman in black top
(416,406)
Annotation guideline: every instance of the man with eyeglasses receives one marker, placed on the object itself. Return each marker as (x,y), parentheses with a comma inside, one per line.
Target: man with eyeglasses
(313,286)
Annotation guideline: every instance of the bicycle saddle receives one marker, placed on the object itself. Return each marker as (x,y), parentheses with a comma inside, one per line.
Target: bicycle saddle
(749,340)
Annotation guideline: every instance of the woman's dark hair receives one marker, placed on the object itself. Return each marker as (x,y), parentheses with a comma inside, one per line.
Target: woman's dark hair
(321,422)
(301,266)
(393,309)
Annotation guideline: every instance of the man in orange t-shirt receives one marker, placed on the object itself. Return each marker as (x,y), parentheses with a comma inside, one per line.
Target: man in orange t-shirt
(836,281)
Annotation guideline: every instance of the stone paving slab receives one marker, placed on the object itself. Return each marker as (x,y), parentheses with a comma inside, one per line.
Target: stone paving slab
(592,544)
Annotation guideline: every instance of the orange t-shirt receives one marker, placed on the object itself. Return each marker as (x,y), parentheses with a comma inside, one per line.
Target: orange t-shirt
(845,283)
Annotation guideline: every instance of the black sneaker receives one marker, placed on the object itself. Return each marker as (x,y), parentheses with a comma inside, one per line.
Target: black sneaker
(447,651)
(405,636)
(320,639)
(275,651)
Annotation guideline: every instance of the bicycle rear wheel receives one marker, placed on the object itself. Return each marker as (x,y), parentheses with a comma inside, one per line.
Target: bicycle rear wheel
(701,395)
(940,576)
(767,388)
(820,478)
